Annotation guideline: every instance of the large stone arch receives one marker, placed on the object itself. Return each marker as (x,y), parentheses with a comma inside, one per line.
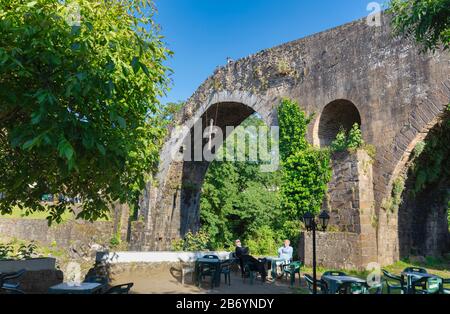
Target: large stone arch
(397,90)
(394,163)
(170,205)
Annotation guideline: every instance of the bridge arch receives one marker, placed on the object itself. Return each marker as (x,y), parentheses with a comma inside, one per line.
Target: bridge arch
(170,205)
(394,162)
(340,113)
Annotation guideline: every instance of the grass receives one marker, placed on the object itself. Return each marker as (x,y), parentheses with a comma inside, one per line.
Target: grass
(18,213)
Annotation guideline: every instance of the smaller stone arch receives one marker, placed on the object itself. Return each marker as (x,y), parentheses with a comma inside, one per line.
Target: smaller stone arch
(340,113)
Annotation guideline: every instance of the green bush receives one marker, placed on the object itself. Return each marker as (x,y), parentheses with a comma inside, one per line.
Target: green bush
(350,142)
(6,251)
(18,250)
(192,242)
(264,242)
(340,143)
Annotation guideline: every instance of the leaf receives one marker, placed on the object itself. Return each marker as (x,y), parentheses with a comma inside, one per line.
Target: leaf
(145,69)
(122,122)
(66,149)
(135,64)
(101,149)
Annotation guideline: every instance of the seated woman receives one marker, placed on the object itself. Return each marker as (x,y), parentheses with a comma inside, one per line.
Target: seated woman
(284,254)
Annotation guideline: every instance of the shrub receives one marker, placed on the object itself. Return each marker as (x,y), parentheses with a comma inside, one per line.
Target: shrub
(350,142)
(192,242)
(263,242)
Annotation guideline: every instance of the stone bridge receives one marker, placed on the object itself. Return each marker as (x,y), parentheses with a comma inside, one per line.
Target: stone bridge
(352,73)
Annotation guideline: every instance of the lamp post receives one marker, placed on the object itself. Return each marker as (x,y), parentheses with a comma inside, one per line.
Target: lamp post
(312,224)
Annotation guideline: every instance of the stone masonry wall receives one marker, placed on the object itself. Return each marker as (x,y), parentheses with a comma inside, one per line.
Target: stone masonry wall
(64,234)
(397,91)
(351,204)
(335,250)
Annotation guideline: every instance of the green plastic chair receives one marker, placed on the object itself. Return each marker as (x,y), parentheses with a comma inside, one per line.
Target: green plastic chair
(120,289)
(251,273)
(292,269)
(427,286)
(322,285)
(225,269)
(398,284)
(445,282)
(206,271)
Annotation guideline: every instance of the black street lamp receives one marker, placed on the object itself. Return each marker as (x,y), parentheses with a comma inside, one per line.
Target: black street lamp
(312,225)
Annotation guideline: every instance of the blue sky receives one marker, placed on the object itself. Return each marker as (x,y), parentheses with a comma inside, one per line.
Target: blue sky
(203,33)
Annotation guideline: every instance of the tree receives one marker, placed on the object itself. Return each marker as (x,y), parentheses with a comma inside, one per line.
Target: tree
(427,21)
(78,102)
(306,170)
(240,201)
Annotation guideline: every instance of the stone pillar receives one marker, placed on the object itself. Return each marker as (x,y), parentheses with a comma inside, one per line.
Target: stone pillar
(367,215)
(351,240)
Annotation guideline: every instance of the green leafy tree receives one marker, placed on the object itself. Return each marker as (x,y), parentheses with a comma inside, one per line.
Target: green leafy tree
(238,200)
(78,102)
(427,21)
(306,170)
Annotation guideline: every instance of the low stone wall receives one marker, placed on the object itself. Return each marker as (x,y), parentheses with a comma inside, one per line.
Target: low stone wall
(155,257)
(39,281)
(64,235)
(335,250)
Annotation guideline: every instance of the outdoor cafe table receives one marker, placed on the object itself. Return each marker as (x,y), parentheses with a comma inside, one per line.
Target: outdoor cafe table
(412,276)
(334,282)
(82,288)
(214,263)
(273,261)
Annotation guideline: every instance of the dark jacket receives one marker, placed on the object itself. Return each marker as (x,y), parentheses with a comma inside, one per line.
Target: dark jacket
(241,251)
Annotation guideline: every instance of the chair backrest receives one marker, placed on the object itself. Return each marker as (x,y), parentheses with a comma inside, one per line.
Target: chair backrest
(416,269)
(211,256)
(387,275)
(294,266)
(334,273)
(322,285)
(428,285)
(120,289)
(13,276)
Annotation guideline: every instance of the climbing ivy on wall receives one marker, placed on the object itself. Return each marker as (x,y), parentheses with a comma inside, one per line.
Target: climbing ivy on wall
(429,165)
(431,161)
(306,170)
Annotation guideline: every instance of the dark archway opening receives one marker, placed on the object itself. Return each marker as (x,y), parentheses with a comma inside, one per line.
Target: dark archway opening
(193,172)
(338,114)
(423,217)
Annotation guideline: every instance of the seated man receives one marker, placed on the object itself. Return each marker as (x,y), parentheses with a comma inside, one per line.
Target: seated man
(244,258)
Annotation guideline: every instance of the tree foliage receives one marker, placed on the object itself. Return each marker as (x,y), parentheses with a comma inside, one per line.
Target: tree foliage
(351,140)
(293,125)
(240,201)
(78,102)
(431,163)
(427,21)
(306,170)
